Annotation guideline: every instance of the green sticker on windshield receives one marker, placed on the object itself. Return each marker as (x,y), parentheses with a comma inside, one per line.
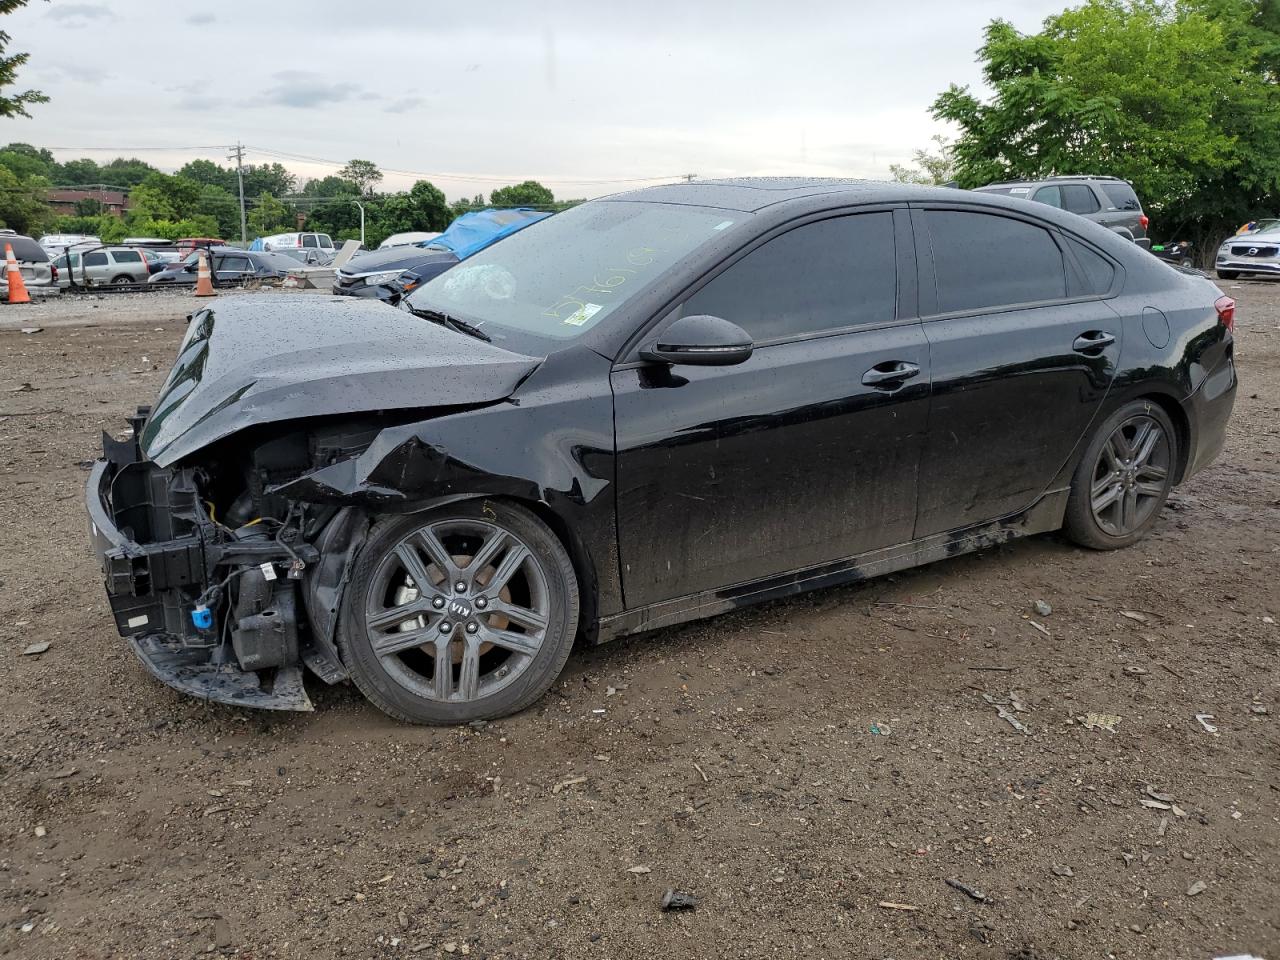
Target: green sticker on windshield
(583,314)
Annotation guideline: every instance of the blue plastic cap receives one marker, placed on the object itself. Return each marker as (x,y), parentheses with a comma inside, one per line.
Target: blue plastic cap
(202,617)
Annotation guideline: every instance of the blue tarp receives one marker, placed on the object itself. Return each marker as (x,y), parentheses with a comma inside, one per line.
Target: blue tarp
(472,232)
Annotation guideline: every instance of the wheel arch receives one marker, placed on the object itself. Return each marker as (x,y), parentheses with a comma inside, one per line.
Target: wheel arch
(1181,424)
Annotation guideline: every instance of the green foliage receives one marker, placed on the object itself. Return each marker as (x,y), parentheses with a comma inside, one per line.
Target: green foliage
(1178,96)
(76,173)
(22,202)
(269,216)
(89,207)
(528,194)
(363,173)
(931,169)
(224,208)
(14,105)
(126,173)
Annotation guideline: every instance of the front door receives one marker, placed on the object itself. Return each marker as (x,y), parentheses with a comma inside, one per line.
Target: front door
(1023,352)
(804,454)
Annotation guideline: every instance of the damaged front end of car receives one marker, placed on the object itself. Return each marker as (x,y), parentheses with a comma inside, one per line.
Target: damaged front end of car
(223,567)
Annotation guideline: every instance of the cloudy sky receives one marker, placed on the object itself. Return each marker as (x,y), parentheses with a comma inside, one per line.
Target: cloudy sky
(580,95)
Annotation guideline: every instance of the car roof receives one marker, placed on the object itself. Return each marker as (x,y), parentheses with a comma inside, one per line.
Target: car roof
(749,194)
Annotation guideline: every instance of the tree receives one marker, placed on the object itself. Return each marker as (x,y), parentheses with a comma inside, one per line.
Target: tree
(528,194)
(76,173)
(16,104)
(89,207)
(269,178)
(931,169)
(209,174)
(363,173)
(1177,96)
(268,216)
(23,205)
(224,208)
(26,161)
(126,173)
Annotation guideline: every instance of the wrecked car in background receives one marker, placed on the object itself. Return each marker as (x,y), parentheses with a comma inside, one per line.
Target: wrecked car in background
(648,409)
(389,273)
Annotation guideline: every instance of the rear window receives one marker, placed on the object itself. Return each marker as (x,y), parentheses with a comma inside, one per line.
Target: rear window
(1121,195)
(127,256)
(25,249)
(1096,269)
(982,260)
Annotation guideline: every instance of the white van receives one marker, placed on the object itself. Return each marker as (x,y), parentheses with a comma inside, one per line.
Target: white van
(310,241)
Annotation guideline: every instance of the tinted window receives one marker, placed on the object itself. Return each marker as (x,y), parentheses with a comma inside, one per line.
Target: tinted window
(309,240)
(126,256)
(1097,269)
(235,264)
(96,259)
(324,240)
(982,260)
(1079,198)
(1050,195)
(1121,195)
(25,249)
(822,276)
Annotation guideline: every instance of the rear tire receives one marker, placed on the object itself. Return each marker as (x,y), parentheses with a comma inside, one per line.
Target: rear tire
(1123,479)
(463,613)
(121,280)
(1228,274)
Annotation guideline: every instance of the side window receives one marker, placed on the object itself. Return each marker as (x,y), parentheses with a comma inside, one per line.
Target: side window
(310,240)
(234,264)
(325,241)
(1079,198)
(826,275)
(1050,195)
(126,256)
(1097,270)
(1121,195)
(96,259)
(981,260)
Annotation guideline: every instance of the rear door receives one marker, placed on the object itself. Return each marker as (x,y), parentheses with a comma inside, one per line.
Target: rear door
(1023,349)
(231,268)
(96,267)
(804,454)
(129,263)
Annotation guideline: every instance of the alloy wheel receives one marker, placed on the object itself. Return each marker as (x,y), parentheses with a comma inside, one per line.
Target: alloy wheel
(457,610)
(1131,476)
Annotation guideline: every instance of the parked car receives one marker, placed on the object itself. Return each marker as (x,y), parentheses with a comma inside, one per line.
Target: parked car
(647,409)
(107,265)
(33,262)
(1256,252)
(1109,201)
(229,266)
(308,256)
(1181,252)
(56,243)
(279,241)
(389,274)
(407,239)
(1255,225)
(188,245)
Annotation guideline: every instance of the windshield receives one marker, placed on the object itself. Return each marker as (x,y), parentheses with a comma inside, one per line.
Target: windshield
(560,277)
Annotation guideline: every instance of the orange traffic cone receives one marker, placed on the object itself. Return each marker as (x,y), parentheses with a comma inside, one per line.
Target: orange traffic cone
(17,289)
(204,279)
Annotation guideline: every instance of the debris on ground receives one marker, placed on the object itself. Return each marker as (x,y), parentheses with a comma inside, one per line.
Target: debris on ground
(36,649)
(1135,616)
(1197,888)
(1043,629)
(880,729)
(565,784)
(1042,608)
(30,330)
(890,905)
(639,869)
(1100,721)
(1155,794)
(972,892)
(1063,871)
(1004,713)
(1204,719)
(675,900)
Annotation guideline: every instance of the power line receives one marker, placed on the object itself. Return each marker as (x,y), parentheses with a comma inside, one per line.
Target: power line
(216,146)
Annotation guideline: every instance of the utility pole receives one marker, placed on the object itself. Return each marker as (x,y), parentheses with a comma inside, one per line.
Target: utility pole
(361,206)
(688,177)
(238,157)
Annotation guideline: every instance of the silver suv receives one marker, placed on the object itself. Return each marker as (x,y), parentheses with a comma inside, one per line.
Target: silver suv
(33,262)
(94,268)
(1109,201)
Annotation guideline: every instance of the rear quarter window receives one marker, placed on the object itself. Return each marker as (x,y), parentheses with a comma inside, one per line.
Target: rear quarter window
(1121,196)
(1096,271)
(126,256)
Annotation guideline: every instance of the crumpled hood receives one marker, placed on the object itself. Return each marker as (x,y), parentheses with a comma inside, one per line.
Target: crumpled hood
(253,360)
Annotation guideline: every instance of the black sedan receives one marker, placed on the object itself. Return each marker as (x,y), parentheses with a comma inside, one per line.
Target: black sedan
(230,266)
(648,409)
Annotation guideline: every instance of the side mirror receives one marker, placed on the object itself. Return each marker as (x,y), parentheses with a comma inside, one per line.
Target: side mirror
(702,341)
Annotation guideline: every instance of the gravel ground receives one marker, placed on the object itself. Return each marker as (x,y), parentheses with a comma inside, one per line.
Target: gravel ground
(816,773)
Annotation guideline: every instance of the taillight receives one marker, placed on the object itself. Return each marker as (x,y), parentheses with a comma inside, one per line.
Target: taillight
(53,270)
(1144,220)
(1226,308)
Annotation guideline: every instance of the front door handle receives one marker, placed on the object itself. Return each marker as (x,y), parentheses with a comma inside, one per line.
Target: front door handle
(1092,341)
(890,374)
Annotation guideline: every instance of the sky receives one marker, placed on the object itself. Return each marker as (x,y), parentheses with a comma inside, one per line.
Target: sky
(588,97)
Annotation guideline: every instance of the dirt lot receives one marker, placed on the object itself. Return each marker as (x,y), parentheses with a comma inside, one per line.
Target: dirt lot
(737,760)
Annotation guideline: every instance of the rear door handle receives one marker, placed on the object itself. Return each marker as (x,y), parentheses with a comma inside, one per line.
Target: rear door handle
(891,373)
(1093,340)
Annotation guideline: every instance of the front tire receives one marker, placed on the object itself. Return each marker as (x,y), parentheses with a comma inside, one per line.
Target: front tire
(464,613)
(1228,274)
(1123,479)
